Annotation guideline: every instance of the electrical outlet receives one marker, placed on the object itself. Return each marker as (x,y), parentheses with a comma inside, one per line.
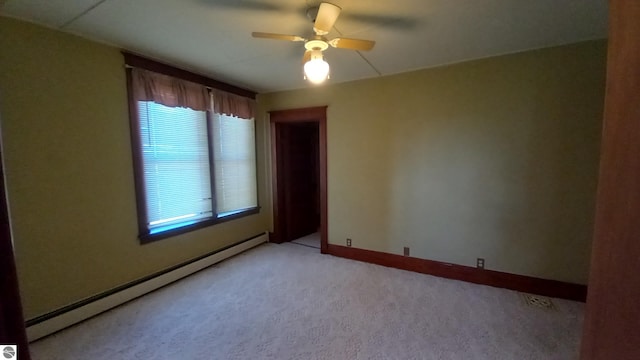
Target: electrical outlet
(480,263)
(406,251)
(348,242)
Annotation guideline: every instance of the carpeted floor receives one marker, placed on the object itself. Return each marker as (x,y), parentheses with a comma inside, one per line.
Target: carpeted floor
(290,302)
(311,240)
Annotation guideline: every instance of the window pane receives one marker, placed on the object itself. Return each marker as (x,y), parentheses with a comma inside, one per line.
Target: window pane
(234,164)
(176,164)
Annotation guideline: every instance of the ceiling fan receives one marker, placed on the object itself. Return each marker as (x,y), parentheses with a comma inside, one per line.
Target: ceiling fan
(316,69)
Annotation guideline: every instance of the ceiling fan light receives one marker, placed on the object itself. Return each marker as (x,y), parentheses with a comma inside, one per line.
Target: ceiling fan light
(316,70)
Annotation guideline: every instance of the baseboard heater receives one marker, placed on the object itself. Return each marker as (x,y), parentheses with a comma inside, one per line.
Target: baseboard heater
(72,314)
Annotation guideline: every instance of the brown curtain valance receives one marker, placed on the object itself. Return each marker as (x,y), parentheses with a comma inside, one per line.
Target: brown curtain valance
(169,91)
(230,104)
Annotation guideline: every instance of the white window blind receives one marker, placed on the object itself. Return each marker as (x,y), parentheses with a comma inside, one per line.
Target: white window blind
(175,155)
(234,164)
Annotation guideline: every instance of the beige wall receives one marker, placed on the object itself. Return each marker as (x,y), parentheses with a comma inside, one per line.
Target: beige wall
(495,158)
(70,175)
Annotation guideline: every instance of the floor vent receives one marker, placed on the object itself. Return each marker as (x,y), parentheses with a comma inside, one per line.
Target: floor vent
(538,301)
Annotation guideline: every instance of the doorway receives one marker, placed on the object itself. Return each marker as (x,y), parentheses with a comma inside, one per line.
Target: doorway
(299,153)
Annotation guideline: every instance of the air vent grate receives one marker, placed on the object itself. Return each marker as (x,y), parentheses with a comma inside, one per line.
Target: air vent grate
(538,301)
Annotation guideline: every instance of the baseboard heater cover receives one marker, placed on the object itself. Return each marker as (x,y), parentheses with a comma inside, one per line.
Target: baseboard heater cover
(75,313)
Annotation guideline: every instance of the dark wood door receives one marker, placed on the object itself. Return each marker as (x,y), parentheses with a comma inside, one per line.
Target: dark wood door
(298,171)
(612,320)
(12,327)
(317,204)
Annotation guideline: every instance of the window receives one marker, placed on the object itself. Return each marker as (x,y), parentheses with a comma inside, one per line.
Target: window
(175,159)
(235,164)
(194,167)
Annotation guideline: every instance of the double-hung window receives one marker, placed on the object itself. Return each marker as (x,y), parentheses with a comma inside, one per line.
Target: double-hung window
(194,166)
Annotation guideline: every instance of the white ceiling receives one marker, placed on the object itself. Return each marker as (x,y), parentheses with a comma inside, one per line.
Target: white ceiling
(213,37)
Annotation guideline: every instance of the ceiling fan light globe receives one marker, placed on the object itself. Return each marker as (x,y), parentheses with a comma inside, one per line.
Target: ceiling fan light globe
(316,70)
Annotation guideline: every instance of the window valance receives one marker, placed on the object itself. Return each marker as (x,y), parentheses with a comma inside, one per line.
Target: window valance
(233,105)
(169,91)
(173,92)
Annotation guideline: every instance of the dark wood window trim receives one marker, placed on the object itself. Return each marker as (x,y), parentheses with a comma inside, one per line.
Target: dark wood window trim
(136,145)
(147,238)
(144,235)
(161,68)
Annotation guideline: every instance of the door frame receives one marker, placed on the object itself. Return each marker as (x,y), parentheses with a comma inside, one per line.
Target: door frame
(611,320)
(12,325)
(314,115)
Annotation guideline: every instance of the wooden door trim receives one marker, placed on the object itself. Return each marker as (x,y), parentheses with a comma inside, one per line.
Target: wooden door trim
(612,316)
(12,326)
(313,114)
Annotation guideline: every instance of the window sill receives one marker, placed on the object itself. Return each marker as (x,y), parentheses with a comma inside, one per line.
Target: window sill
(147,237)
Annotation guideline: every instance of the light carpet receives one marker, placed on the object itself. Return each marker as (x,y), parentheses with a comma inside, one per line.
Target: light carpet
(311,240)
(290,302)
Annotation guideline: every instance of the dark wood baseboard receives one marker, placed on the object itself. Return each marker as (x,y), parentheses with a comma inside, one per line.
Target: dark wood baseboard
(274,238)
(552,288)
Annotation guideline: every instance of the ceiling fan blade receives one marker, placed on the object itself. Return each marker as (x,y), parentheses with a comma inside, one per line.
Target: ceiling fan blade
(386,21)
(245,5)
(263,35)
(327,16)
(353,44)
(306,57)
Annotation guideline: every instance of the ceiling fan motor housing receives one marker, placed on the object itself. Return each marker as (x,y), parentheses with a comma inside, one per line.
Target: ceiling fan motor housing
(316,45)
(312,13)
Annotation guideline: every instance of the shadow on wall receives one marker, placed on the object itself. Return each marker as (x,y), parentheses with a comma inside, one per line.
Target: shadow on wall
(360,169)
(558,175)
(500,165)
